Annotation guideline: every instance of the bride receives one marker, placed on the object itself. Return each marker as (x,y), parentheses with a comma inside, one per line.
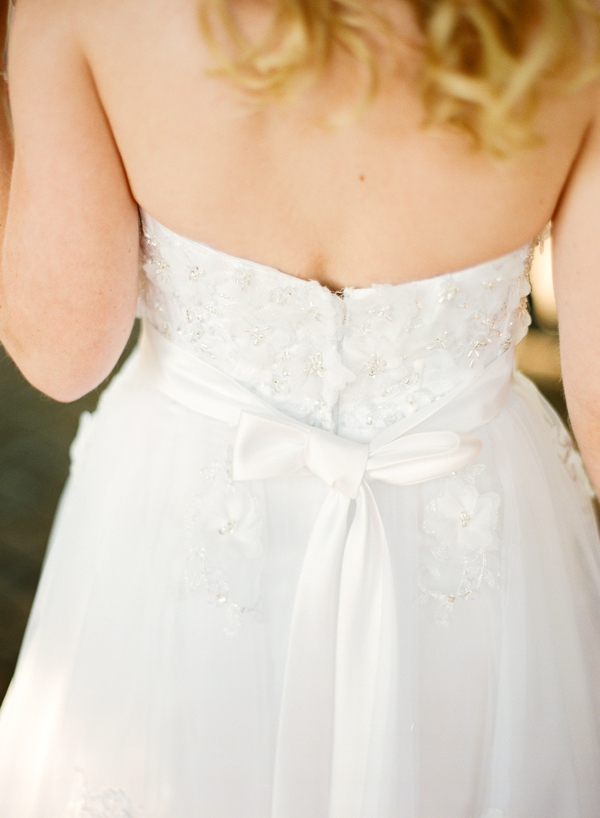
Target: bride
(323,553)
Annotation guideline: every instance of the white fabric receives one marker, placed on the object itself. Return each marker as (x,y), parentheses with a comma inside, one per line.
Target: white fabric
(326,637)
(336,650)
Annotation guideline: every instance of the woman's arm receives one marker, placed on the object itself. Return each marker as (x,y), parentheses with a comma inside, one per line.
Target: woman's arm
(6,137)
(68,281)
(576,251)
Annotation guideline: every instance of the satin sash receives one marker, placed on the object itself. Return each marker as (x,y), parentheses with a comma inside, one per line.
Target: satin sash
(342,647)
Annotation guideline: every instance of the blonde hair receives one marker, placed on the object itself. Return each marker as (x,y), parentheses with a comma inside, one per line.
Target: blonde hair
(485,63)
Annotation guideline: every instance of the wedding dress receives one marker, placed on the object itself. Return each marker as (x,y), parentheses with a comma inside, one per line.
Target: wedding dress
(320,556)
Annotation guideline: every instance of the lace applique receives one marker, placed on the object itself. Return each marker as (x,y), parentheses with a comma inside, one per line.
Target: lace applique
(539,241)
(224,536)
(568,454)
(461,551)
(409,345)
(280,341)
(354,364)
(110,803)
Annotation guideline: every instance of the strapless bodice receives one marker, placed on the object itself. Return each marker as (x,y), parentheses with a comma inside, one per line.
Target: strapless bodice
(353,362)
(272,620)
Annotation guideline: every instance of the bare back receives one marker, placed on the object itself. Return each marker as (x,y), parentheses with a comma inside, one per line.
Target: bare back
(113,109)
(377,200)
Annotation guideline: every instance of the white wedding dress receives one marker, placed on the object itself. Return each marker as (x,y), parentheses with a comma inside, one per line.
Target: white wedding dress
(320,556)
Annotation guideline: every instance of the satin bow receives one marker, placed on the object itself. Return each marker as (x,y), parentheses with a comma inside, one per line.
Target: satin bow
(342,626)
(342,649)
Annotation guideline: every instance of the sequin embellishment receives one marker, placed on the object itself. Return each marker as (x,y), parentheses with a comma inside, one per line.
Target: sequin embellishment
(224,545)
(461,551)
(353,364)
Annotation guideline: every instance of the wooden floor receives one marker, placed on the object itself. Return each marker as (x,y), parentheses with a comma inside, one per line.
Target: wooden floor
(35,435)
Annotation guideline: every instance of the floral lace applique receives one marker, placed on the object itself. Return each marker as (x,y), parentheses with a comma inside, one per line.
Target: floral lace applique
(110,803)
(567,452)
(224,540)
(354,364)
(461,549)
(538,242)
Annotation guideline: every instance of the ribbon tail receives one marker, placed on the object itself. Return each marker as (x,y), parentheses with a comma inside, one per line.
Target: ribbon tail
(366,659)
(302,778)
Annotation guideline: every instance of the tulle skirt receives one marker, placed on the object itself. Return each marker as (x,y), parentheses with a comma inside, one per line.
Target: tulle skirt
(150,680)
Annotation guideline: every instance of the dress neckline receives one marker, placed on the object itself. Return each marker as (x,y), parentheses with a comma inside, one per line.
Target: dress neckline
(524,253)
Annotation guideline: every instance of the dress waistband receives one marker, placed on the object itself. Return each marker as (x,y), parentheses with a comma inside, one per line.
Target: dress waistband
(342,651)
(203,388)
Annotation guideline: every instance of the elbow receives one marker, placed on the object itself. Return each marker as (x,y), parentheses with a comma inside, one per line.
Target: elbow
(65,389)
(63,383)
(67,372)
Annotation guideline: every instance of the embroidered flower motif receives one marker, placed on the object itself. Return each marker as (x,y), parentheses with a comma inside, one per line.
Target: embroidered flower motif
(195,273)
(243,276)
(447,291)
(110,803)
(354,363)
(224,543)
(314,364)
(313,310)
(374,365)
(162,271)
(459,557)
(258,334)
(568,453)
(576,469)
(462,520)
(383,311)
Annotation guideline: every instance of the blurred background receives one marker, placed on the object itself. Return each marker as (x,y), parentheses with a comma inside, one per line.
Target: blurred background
(36,432)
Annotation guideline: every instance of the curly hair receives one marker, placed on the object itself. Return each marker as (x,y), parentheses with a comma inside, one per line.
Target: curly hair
(485,64)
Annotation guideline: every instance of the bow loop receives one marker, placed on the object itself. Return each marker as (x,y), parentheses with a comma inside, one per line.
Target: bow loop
(269,447)
(266,448)
(339,462)
(422,456)
(342,657)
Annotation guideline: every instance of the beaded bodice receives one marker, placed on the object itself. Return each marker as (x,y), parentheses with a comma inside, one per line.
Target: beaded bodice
(353,362)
